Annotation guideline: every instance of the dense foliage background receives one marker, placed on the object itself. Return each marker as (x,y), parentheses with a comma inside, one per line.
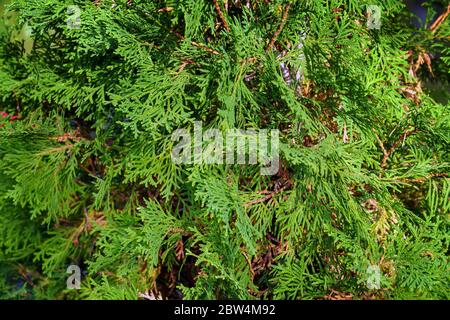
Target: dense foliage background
(86,175)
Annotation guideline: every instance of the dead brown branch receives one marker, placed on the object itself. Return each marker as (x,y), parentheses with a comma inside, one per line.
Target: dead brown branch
(422,180)
(440,20)
(264,199)
(204,47)
(168,9)
(280,28)
(196,44)
(222,17)
(388,153)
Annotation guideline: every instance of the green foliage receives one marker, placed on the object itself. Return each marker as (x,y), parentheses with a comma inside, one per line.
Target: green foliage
(87,178)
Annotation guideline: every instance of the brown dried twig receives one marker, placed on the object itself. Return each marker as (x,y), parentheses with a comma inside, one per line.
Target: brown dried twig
(388,153)
(422,180)
(167,9)
(264,199)
(383,149)
(280,28)
(196,44)
(185,64)
(440,20)
(222,17)
(204,47)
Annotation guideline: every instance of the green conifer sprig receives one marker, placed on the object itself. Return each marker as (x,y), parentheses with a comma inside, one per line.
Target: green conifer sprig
(87,177)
